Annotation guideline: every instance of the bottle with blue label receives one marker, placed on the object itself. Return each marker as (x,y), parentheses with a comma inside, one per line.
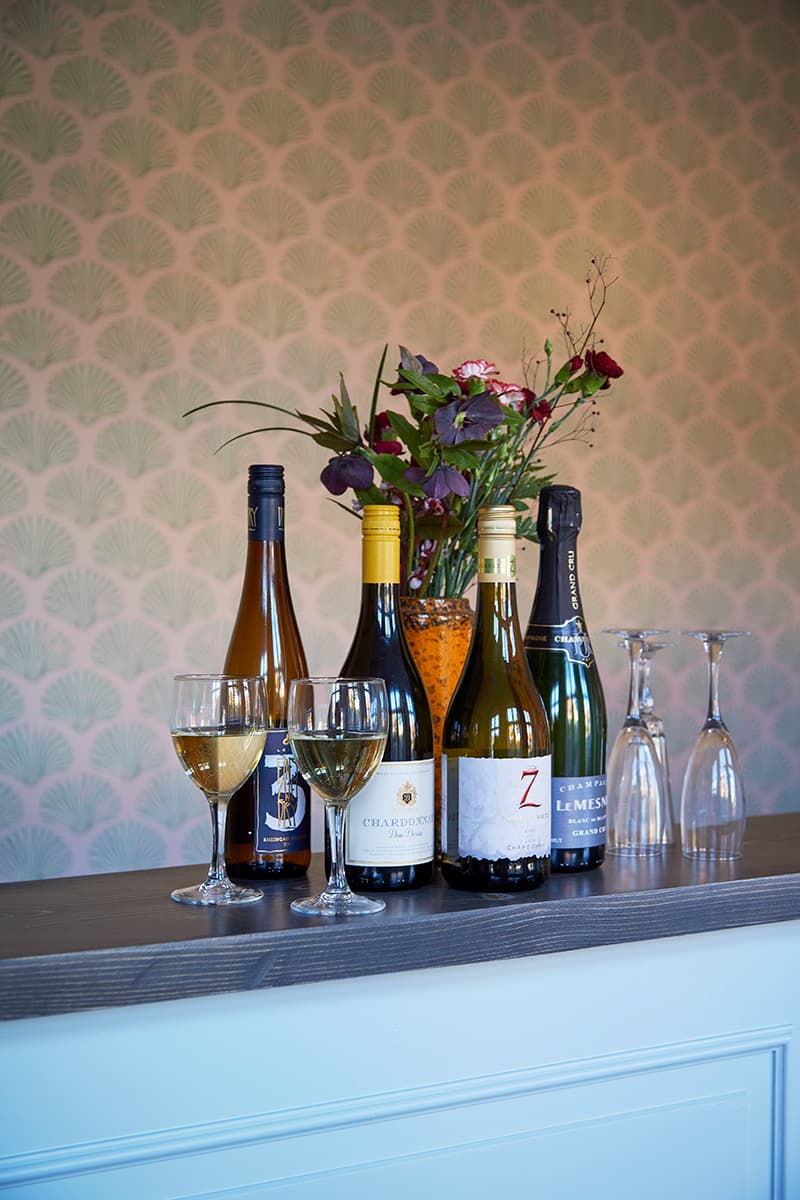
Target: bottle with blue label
(562,662)
(269,819)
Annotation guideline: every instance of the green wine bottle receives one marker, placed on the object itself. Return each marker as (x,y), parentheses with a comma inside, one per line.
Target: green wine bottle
(562,663)
(496,742)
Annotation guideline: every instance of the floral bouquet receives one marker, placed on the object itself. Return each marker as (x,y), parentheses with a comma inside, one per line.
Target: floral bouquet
(468,439)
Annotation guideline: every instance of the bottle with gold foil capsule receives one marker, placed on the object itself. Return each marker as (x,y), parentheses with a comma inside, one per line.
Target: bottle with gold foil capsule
(390,824)
(269,818)
(496,741)
(563,664)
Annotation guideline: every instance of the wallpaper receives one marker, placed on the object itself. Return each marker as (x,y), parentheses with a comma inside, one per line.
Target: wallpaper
(204,200)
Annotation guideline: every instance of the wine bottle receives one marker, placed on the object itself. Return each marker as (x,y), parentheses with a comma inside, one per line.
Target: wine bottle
(562,663)
(496,742)
(269,817)
(390,823)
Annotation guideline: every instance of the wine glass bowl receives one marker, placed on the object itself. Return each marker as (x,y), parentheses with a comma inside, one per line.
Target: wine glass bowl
(713,796)
(218,726)
(637,800)
(655,727)
(337,728)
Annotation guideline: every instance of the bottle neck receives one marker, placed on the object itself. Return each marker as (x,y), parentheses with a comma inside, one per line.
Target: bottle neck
(380,582)
(266,557)
(497,629)
(265,518)
(558,596)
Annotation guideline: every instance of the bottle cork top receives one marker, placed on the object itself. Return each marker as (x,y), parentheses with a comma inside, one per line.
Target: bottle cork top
(497,520)
(381,520)
(559,510)
(265,480)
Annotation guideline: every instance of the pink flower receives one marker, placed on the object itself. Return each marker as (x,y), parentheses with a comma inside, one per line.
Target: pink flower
(474,368)
(510,394)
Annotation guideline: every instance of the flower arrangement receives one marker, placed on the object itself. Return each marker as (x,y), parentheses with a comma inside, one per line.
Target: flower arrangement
(467,439)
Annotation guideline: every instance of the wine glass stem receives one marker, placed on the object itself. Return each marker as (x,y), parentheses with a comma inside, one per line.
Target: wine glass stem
(714,652)
(635,649)
(335,817)
(219,813)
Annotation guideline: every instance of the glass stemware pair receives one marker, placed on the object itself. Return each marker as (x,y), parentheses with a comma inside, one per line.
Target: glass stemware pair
(337,729)
(640,803)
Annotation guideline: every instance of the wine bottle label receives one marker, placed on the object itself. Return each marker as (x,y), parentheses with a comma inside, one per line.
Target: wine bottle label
(390,822)
(579,811)
(496,807)
(264,519)
(283,808)
(570,638)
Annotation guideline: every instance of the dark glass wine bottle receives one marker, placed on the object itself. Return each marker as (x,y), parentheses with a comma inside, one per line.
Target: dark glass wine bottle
(269,818)
(562,663)
(390,823)
(496,742)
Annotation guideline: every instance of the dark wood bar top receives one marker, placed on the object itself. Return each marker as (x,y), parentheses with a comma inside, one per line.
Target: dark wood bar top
(97,941)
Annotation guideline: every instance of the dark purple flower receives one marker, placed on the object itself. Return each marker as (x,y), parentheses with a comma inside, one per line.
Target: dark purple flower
(440,483)
(347,471)
(464,420)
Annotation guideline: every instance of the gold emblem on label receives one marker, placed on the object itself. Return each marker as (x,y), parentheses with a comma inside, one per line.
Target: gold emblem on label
(407,794)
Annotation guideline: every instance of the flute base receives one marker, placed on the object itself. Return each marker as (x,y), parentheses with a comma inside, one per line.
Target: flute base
(216,893)
(337,904)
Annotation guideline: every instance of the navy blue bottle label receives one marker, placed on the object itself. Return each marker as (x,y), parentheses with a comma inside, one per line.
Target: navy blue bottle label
(570,638)
(579,811)
(264,518)
(283,801)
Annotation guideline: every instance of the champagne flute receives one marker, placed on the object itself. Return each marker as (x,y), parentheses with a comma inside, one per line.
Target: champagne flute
(218,730)
(636,797)
(712,800)
(655,727)
(337,728)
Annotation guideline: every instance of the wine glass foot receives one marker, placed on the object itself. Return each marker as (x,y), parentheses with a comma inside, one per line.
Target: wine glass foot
(639,851)
(217,893)
(337,904)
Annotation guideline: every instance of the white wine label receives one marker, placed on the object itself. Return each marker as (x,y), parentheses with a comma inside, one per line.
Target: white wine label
(283,808)
(496,807)
(390,822)
(579,811)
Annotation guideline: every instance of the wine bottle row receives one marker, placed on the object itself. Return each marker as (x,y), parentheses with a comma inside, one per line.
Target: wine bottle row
(524,741)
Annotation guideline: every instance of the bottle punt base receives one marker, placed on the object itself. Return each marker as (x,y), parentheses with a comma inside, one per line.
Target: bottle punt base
(495,875)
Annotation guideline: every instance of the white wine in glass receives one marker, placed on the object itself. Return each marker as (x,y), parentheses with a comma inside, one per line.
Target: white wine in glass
(218,731)
(338,728)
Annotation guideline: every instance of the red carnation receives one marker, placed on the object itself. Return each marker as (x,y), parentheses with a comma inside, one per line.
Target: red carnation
(603,364)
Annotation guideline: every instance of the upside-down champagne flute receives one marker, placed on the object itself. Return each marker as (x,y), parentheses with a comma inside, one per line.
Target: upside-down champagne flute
(337,728)
(712,800)
(655,727)
(636,798)
(218,728)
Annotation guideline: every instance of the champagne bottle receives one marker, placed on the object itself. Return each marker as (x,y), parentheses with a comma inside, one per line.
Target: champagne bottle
(390,824)
(562,663)
(269,818)
(496,742)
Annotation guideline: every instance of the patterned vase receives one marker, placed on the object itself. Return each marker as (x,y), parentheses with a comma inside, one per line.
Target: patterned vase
(438,631)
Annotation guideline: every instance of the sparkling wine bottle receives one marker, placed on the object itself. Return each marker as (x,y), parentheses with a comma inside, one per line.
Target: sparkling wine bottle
(390,825)
(269,818)
(496,742)
(562,663)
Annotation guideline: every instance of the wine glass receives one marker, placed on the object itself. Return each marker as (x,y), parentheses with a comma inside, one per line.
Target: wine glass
(337,728)
(636,798)
(655,727)
(712,800)
(219,728)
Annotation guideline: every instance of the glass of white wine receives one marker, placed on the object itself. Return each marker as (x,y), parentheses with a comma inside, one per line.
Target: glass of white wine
(219,728)
(337,728)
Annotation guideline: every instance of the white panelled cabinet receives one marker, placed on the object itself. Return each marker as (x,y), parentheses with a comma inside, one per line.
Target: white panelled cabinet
(644,1069)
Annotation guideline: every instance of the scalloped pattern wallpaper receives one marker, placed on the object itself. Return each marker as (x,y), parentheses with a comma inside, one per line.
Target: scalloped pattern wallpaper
(215,199)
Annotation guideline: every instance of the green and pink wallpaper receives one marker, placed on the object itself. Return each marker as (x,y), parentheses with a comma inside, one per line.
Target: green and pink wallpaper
(221,199)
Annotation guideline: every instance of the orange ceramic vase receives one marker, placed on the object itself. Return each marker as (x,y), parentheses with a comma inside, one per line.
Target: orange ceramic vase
(438,631)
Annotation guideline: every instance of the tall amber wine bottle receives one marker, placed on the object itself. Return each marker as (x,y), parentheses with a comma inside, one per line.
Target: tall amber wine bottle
(390,825)
(496,742)
(563,665)
(269,819)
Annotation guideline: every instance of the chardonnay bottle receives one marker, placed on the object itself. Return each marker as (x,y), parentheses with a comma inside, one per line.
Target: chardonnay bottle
(269,818)
(562,663)
(496,742)
(390,823)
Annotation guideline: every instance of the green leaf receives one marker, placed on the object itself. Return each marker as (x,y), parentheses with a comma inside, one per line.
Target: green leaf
(592,383)
(431,526)
(346,414)
(407,432)
(564,374)
(461,457)
(371,495)
(333,441)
